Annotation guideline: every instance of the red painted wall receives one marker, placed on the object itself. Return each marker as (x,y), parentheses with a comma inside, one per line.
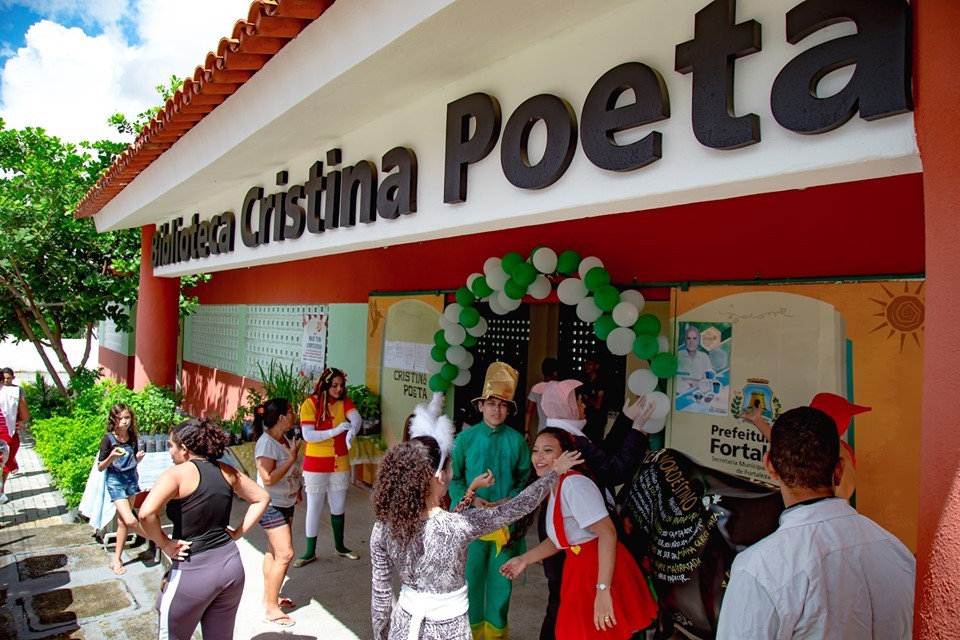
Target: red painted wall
(938,134)
(212,392)
(158,323)
(862,228)
(117,366)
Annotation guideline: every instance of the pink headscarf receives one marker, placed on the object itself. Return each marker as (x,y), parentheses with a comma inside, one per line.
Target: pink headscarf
(559,399)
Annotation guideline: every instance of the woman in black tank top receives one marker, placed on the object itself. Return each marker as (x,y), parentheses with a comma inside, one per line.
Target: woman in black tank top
(197,493)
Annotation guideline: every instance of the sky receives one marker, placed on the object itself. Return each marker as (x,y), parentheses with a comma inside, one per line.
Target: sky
(68,65)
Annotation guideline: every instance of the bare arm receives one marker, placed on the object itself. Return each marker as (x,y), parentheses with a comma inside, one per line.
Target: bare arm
(516,565)
(607,550)
(164,490)
(271,472)
(250,491)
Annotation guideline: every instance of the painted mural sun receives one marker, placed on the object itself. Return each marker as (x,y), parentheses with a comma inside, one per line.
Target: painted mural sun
(902,314)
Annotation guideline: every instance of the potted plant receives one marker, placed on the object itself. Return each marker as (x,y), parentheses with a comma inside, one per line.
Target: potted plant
(368,404)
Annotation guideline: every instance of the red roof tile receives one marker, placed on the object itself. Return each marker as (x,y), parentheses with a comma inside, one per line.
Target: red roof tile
(270,25)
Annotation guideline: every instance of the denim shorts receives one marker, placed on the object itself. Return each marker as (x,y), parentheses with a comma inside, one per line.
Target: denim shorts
(275,517)
(122,484)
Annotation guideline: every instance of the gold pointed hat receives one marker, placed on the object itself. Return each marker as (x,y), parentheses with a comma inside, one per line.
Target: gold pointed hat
(501,382)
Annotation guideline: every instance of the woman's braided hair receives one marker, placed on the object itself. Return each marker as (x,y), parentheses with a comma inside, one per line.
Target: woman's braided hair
(403,484)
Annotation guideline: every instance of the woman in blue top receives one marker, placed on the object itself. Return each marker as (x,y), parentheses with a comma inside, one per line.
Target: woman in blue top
(118,459)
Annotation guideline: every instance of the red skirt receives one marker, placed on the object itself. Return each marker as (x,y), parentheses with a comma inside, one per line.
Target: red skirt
(633,605)
(14,443)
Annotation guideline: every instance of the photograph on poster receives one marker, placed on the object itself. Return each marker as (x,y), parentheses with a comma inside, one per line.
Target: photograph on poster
(703,367)
(313,344)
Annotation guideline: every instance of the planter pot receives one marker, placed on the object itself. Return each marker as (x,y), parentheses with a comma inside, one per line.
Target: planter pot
(370,427)
(149,443)
(248,433)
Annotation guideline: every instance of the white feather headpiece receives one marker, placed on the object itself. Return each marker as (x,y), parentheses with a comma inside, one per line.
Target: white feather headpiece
(428,420)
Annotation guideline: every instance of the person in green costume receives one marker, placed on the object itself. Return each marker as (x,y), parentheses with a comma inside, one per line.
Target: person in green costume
(491,445)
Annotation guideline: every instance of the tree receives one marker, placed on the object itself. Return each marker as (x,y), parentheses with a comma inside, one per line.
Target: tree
(58,276)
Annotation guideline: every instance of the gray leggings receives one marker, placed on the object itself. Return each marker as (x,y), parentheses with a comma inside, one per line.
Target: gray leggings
(205,590)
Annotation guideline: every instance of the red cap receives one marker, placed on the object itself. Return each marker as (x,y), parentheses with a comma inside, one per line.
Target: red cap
(838,408)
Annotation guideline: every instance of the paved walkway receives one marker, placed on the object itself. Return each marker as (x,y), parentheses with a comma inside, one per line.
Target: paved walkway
(54,580)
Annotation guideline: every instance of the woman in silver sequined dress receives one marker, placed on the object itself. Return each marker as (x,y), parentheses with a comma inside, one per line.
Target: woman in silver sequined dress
(427,546)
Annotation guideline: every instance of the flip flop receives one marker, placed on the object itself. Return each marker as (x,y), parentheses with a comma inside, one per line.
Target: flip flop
(117,568)
(286,603)
(282,621)
(302,562)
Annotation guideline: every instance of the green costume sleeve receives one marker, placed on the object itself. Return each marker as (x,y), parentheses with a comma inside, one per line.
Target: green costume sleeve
(458,461)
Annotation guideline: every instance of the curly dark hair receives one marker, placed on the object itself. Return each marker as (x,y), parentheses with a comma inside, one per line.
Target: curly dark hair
(805,448)
(202,436)
(403,484)
(268,414)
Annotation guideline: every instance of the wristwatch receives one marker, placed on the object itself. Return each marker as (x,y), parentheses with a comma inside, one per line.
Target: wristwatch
(602,587)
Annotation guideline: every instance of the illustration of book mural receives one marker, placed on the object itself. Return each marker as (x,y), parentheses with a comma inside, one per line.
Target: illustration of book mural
(760,349)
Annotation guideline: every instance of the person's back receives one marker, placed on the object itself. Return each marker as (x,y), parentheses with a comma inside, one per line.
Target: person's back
(827,572)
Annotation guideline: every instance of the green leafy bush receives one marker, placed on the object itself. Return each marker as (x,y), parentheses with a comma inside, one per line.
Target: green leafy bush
(43,399)
(367,402)
(68,446)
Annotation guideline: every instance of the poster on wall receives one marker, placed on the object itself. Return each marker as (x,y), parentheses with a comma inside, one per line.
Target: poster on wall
(859,340)
(313,344)
(400,336)
(702,383)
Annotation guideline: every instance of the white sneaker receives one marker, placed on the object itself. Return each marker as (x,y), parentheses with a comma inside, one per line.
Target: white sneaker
(3,498)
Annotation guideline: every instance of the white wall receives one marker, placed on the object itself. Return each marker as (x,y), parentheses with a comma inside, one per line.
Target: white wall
(25,361)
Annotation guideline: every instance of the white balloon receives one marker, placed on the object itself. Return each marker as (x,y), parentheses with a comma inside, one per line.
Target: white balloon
(452,312)
(497,278)
(655,425)
(480,328)
(587,310)
(457,355)
(444,323)
(625,314)
(463,377)
(641,382)
(634,297)
(495,306)
(588,263)
(620,341)
(664,344)
(571,291)
(545,260)
(433,366)
(454,334)
(541,287)
(471,278)
(491,264)
(662,405)
(507,302)
(468,362)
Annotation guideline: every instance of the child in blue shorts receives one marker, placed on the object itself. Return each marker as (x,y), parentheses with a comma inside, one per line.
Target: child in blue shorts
(118,458)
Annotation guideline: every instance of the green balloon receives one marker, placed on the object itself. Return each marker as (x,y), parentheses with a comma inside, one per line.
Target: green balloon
(465,297)
(596,277)
(607,297)
(604,325)
(440,340)
(469,341)
(480,287)
(568,263)
(439,354)
(510,262)
(664,365)
(645,346)
(449,371)
(469,317)
(647,324)
(438,383)
(525,273)
(514,289)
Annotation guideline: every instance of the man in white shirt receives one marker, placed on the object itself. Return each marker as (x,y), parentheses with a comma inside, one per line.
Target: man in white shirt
(692,363)
(827,571)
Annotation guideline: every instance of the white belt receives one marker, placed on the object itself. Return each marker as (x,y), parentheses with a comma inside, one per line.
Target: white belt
(431,606)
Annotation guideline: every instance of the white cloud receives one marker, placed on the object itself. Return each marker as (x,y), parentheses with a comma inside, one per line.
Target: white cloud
(70,82)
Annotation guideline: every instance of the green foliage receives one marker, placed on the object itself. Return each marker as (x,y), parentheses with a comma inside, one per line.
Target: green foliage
(43,399)
(125,125)
(284,382)
(58,276)
(367,402)
(68,446)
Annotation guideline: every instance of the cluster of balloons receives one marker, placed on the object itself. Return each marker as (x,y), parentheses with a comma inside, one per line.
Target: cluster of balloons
(616,315)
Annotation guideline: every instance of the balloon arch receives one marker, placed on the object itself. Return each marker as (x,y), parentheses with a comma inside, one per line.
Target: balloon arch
(616,316)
